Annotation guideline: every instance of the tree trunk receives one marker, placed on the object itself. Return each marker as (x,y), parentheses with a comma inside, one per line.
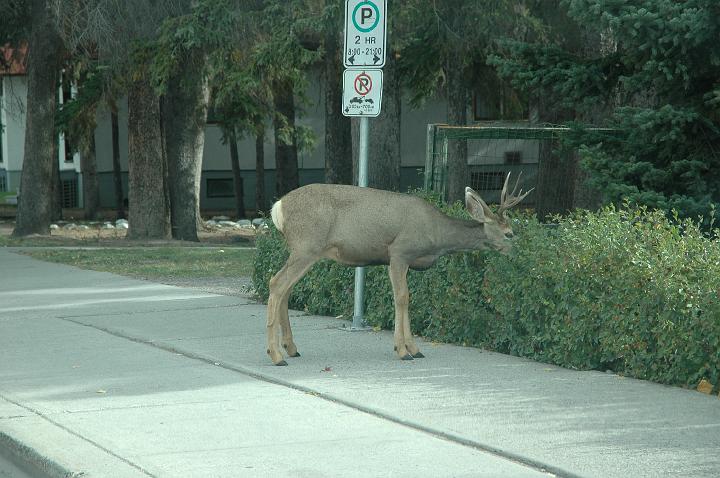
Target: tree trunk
(384,135)
(117,172)
(35,201)
(185,115)
(286,159)
(148,195)
(458,173)
(237,178)
(338,142)
(260,172)
(88,165)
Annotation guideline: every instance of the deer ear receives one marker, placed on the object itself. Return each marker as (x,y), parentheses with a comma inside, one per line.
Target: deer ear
(476,206)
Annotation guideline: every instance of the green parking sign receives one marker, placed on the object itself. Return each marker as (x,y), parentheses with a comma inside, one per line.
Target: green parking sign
(365,33)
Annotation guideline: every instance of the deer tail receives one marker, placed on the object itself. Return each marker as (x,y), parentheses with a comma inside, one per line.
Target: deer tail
(277,215)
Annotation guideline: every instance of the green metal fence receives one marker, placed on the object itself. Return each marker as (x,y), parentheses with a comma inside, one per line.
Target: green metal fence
(493,151)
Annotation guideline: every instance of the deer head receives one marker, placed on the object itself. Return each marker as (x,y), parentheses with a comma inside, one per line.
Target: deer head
(497,226)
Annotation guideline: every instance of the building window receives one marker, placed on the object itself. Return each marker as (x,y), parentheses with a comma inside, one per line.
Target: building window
(487,180)
(69,193)
(494,100)
(3,184)
(67,97)
(499,104)
(513,157)
(220,188)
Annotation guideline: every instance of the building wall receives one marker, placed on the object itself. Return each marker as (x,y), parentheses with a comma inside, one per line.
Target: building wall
(413,130)
(216,154)
(12,116)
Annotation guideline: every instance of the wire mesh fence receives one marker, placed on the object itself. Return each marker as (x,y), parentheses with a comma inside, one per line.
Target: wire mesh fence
(535,155)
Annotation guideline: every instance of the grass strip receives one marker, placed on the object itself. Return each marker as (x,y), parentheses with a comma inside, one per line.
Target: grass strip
(156,262)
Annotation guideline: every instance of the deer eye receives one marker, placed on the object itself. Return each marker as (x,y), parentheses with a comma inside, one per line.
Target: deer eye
(509,235)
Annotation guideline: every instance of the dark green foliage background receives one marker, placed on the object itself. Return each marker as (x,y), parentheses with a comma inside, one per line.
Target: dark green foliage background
(623,289)
(648,69)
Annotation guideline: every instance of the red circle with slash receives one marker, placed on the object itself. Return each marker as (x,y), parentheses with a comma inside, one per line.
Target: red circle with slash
(363,84)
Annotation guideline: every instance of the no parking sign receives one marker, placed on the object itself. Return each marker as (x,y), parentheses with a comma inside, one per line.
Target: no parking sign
(362,92)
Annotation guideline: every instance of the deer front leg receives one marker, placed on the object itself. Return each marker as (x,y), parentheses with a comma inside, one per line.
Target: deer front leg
(408,339)
(398,278)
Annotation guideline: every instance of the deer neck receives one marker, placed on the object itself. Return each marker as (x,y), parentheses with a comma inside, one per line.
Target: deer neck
(462,235)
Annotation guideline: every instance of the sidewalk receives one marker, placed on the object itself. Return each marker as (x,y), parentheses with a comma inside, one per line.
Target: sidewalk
(106,376)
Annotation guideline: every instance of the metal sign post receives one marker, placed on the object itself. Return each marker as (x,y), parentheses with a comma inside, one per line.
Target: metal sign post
(364,49)
(358,322)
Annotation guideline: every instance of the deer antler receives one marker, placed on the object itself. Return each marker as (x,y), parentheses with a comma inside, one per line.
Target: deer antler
(508,201)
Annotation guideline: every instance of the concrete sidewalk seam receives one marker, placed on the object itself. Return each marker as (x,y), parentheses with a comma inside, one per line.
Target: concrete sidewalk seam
(41,460)
(124,314)
(513,457)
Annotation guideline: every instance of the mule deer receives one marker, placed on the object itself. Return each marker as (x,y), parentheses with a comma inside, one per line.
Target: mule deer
(363,226)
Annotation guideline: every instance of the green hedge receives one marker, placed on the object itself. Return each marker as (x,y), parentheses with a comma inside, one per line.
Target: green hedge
(621,290)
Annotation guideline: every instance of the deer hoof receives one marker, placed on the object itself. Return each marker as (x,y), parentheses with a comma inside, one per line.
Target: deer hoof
(406,357)
(418,355)
(281,363)
(291,350)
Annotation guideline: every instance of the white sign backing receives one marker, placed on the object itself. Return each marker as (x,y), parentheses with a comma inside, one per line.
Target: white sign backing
(365,33)
(362,92)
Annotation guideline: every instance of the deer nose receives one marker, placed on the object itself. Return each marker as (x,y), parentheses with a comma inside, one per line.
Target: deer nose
(509,235)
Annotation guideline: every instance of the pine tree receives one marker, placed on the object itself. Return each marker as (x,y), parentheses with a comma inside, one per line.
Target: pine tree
(658,73)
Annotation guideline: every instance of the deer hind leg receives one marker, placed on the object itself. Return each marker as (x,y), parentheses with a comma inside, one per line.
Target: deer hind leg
(277,319)
(287,338)
(404,343)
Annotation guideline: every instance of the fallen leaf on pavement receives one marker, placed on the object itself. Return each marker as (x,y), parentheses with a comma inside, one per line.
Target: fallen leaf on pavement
(705,387)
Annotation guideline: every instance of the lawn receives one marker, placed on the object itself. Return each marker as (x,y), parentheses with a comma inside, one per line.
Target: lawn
(156,262)
(4,194)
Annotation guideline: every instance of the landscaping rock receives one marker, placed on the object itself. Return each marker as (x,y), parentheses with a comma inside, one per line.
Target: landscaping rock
(121,222)
(70,226)
(244,223)
(259,222)
(220,218)
(107,225)
(54,227)
(231,224)
(211,223)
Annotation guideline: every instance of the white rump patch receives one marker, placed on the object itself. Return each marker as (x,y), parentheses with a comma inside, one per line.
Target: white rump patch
(277,215)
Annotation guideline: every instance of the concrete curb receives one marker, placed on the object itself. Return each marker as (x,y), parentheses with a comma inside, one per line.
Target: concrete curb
(30,461)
